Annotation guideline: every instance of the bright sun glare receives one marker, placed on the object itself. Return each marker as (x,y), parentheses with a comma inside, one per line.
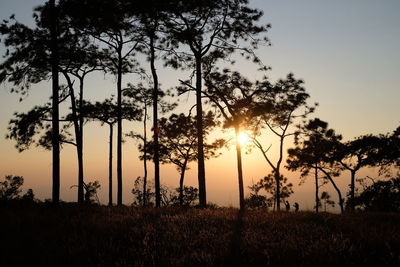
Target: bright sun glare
(243,139)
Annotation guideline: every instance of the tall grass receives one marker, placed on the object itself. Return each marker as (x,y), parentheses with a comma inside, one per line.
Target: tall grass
(101,236)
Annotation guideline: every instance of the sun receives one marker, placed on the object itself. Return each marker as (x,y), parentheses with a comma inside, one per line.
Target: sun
(243,139)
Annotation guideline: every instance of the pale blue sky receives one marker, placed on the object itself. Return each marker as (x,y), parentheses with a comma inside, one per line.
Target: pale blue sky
(347,51)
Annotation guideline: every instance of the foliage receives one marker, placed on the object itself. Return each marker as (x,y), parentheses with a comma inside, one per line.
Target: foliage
(382,196)
(91,189)
(215,29)
(178,139)
(326,199)
(190,196)
(254,201)
(268,184)
(106,111)
(315,149)
(137,192)
(10,189)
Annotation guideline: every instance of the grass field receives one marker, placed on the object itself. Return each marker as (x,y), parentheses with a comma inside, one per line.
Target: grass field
(70,235)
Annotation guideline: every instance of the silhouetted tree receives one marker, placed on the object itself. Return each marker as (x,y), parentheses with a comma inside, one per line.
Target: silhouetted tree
(10,189)
(234,97)
(142,198)
(315,146)
(383,196)
(106,112)
(178,143)
(117,30)
(151,25)
(255,200)
(91,189)
(145,96)
(288,100)
(76,57)
(353,155)
(211,30)
(27,55)
(326,199)
(268,184)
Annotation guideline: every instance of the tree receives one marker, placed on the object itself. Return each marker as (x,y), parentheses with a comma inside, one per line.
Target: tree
(31,61)
(268,184)
(287,99)
(106,113)
(91,192)
(117,31)
(382,196)
(10,189)
(235,98)
(186,196)
(211,30)
(141,197)
(145,96)
(151,24)
(326,198)
(355,154)
(55,107)
(315,146)
(178,143)
(22,47)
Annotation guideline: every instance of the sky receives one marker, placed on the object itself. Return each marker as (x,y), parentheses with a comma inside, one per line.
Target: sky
(346,51)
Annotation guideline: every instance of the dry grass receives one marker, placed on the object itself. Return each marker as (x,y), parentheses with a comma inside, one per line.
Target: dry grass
(99,236)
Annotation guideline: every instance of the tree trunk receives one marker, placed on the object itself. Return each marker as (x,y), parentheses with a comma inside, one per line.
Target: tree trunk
(77,138)
(352,189)
(55,108)
(155,124)
(181,180)
(119,128)
(278,174)
(110,167)
(239,168)
(336,188)
(200,145)
(145,155)
(278,190)
(316,189)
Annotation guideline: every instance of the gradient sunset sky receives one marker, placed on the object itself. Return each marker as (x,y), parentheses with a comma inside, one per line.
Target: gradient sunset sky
(347,52)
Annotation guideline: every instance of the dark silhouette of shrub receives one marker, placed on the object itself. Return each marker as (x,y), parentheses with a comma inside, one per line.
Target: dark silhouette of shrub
(381,196)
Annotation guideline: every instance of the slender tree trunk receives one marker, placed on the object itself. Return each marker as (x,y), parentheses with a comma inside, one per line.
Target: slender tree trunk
(352,189)
(119,128)
(239,168)
(110,167)
(155,124)
(145,155)
(278,190)
(181,180)
(336,188)
(200,142)
(79,142)
(316,189)
(55,108)
(278,174)
(77,138)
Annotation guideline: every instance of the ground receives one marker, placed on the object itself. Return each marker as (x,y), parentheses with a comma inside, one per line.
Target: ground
(71,235)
